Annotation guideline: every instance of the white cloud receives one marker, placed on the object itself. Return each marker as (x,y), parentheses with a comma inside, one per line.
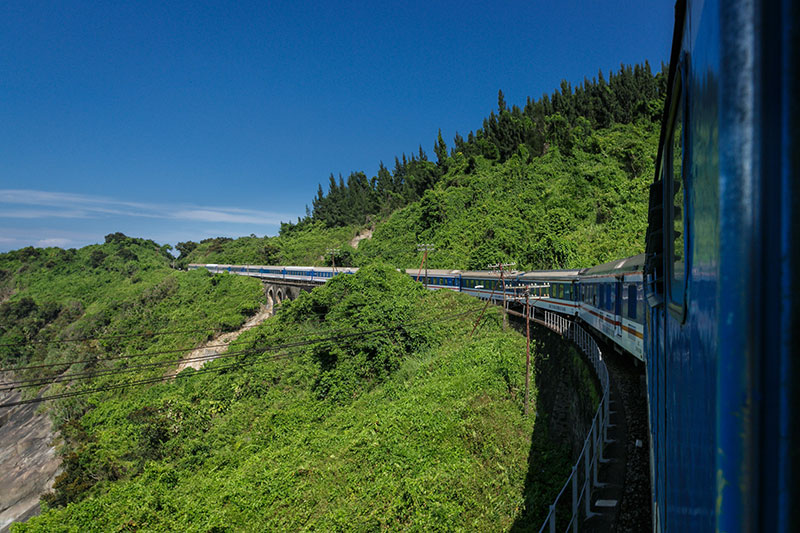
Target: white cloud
(61,243)
(41,213)
(69,205)
(231,215)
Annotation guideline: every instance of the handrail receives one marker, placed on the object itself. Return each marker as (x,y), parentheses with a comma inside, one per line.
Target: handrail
(592,451)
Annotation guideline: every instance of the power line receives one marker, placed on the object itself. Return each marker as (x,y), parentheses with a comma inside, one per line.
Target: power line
(40,381)
(116,386)
(145,354)
(59,378)
(204,371)
(147,333)
(118,357)
(120,336)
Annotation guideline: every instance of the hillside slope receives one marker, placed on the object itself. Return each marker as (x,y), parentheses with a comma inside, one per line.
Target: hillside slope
(554,211)
(558,210)
(413,426)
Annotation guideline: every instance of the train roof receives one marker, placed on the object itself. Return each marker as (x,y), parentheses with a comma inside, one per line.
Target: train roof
(616,267)
(432,271)
(558,275)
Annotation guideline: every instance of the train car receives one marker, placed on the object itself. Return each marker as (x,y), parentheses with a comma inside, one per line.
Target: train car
(437,278)
(485,284)
(722,340)
(612,302)
(554,290)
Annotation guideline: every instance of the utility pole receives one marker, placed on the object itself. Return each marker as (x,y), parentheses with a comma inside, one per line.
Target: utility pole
(536,296)
(333,252)
(501,266)
(425,248)
(527,349)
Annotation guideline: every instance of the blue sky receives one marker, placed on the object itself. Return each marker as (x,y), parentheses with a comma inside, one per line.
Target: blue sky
(180,121)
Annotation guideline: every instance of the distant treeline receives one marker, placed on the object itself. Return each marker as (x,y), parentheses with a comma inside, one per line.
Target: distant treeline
(633,93)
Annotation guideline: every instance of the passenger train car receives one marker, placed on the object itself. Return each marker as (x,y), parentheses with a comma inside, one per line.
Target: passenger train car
(722,338)
(589,294)
(611,300)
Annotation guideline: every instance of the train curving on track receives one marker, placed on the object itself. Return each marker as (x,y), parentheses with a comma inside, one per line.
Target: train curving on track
(711,308)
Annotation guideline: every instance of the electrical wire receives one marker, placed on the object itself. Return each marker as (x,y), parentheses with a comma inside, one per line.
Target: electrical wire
(37,382)
(146,333)
(161,352)
(117,386)
(158,333)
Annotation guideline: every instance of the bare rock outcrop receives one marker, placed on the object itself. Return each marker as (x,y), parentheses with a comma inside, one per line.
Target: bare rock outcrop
(28,461)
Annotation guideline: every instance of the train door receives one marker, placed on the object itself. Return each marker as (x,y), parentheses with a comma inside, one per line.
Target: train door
(618,307)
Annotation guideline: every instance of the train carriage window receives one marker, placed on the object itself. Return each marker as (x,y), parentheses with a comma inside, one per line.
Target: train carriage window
(675,198)
(632,297)
(640,304)
(624,299)
(677,195)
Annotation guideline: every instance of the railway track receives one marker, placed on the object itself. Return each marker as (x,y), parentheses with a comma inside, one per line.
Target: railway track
(629,400)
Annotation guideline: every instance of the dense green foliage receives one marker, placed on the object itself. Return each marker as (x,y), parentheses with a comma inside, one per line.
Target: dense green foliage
(110,294)
(553,211)
(413,426)
(120,287)
(630,95)
(300,245)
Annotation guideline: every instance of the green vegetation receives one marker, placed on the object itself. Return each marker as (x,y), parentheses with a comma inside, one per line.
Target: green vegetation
(297,245)
(123,286)
(631,95)
(560,183)
(412,426)
(108,293)
(396,419)
(553,211)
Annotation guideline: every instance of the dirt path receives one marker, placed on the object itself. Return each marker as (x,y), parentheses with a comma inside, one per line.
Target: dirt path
(216,346)
(28,462)
(360,236)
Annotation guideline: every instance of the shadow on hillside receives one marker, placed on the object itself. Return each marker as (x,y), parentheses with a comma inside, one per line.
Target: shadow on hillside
(563,410)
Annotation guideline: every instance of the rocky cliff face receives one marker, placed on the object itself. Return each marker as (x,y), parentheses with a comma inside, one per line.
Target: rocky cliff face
(28,462)
(565,389)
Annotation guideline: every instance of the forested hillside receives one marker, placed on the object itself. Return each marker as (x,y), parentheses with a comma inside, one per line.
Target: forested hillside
(408,424)
(559,182)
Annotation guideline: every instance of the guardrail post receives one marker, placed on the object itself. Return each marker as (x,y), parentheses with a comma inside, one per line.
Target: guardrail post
(587,500)
(553,518)
(575,499)
(598,443)
(607,417)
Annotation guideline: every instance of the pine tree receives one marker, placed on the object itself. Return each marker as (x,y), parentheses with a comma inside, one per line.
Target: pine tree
(440,148)
(501,101)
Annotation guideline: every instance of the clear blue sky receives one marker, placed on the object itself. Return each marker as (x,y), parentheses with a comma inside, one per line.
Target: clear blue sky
(184,120)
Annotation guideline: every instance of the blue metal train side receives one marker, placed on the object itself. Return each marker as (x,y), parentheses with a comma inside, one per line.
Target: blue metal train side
(722,258)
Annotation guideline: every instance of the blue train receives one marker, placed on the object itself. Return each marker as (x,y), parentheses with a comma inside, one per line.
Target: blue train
(710,307)
(722,253)
(609,297)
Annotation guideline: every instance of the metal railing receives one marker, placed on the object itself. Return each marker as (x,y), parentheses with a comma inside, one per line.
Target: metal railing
(583,477)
